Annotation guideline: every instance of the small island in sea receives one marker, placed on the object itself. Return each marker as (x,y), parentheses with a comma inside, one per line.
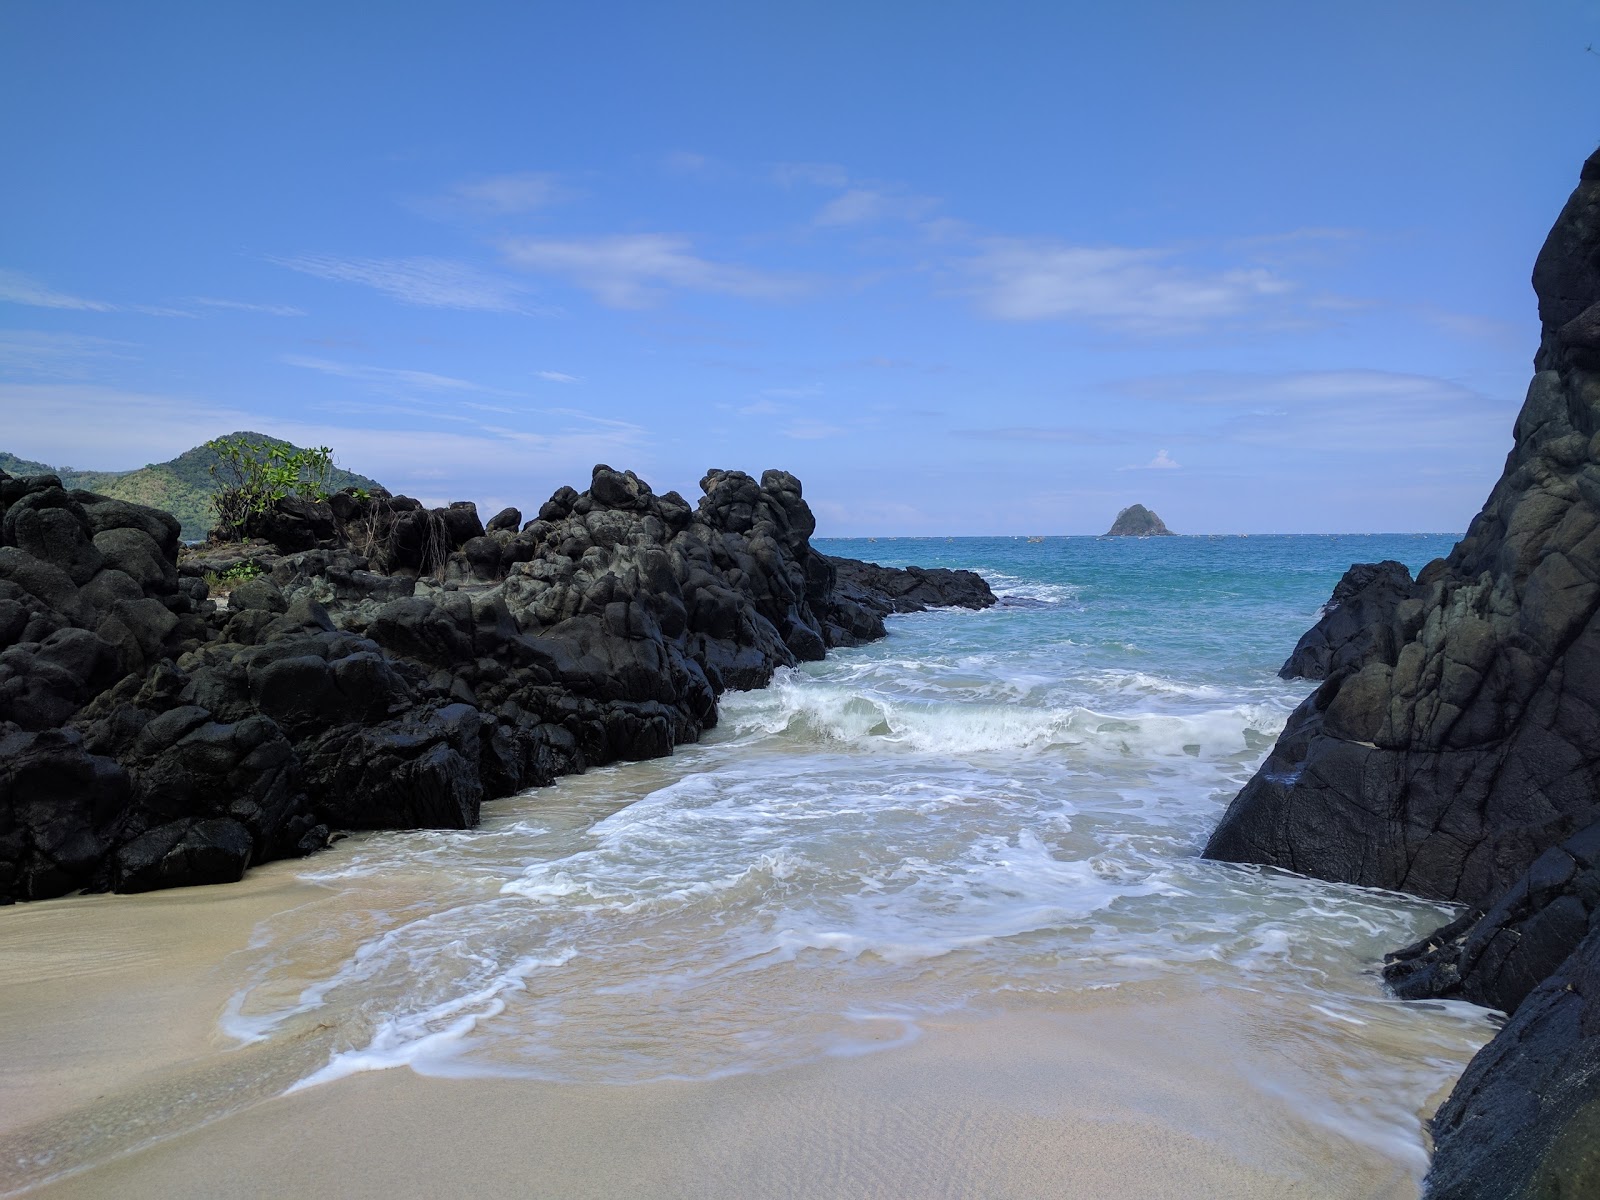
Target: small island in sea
(1138,521)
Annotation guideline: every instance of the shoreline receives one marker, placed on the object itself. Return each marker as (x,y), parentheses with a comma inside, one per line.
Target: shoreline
(1164,1089)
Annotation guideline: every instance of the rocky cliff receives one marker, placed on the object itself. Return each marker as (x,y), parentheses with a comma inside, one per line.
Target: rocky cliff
(1453,751)
(388,665)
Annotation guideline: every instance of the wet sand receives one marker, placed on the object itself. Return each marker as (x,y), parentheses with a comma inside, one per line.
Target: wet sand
(110,1062)
(1021,1108)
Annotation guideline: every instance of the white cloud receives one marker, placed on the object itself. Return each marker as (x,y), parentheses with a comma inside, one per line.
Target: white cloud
(386,377)
(1161,462)
(629,270)
(1138,290)
(271,310)
(159,310)
(424,282)
(556,377)
(17,288)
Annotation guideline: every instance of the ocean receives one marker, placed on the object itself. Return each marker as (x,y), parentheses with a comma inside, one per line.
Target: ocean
(984,810)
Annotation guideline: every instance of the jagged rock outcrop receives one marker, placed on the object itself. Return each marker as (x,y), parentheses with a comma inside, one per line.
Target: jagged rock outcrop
(886,590)
(1468,742)
(1138,521)
(1357,623)
(1453,751)
(389,666)
(1496,958)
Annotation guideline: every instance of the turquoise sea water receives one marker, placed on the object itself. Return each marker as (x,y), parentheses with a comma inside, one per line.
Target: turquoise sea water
(983,811)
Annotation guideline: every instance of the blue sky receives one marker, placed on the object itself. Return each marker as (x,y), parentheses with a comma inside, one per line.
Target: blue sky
(963,268)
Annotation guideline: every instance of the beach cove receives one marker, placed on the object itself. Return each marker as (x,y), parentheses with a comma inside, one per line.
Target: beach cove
(924,918)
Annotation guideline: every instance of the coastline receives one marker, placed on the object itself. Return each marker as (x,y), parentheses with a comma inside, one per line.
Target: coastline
(113,1062)
(1157,1090)
(1192,1083)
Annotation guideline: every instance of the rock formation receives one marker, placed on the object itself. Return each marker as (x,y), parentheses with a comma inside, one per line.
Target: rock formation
(1137,521)
(389,665)
(1453,751)
(1354,619)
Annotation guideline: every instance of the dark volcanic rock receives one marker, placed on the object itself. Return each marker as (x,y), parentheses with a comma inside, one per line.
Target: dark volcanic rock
(909,589)
(1496,958)
(1357,623)
(1137,521)
(1465,741)
(1454,752)
(390,666)
(1524,1120)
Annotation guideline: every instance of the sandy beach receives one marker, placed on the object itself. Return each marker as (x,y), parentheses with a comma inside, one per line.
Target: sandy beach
(114,1081)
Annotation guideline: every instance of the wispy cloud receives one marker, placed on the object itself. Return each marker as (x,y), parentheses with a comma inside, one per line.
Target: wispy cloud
(861,205)
(633,270)
(556,377)
(106,428)
(515,458)
(812,431)
(1136,290)
(386,377)
(58,355)
(271,310)
(1161,462)
(501,195)
(1071,434)
(813,173)
(17,288)
(424,282)
(684,162)
(1335,410)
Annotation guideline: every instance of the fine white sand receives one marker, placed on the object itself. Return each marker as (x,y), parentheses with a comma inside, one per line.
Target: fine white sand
(111,1070)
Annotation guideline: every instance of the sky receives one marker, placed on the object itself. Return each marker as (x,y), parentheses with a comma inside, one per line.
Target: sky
(964,268)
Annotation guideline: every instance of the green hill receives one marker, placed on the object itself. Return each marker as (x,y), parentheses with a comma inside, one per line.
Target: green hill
(182,486)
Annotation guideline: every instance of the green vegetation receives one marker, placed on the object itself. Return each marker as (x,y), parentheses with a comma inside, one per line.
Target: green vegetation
(226,581)
(252,476)
(183,486)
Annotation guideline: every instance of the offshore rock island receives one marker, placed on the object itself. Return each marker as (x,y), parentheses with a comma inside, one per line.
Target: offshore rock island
(1137,521)
(385,665)
(1453,751)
